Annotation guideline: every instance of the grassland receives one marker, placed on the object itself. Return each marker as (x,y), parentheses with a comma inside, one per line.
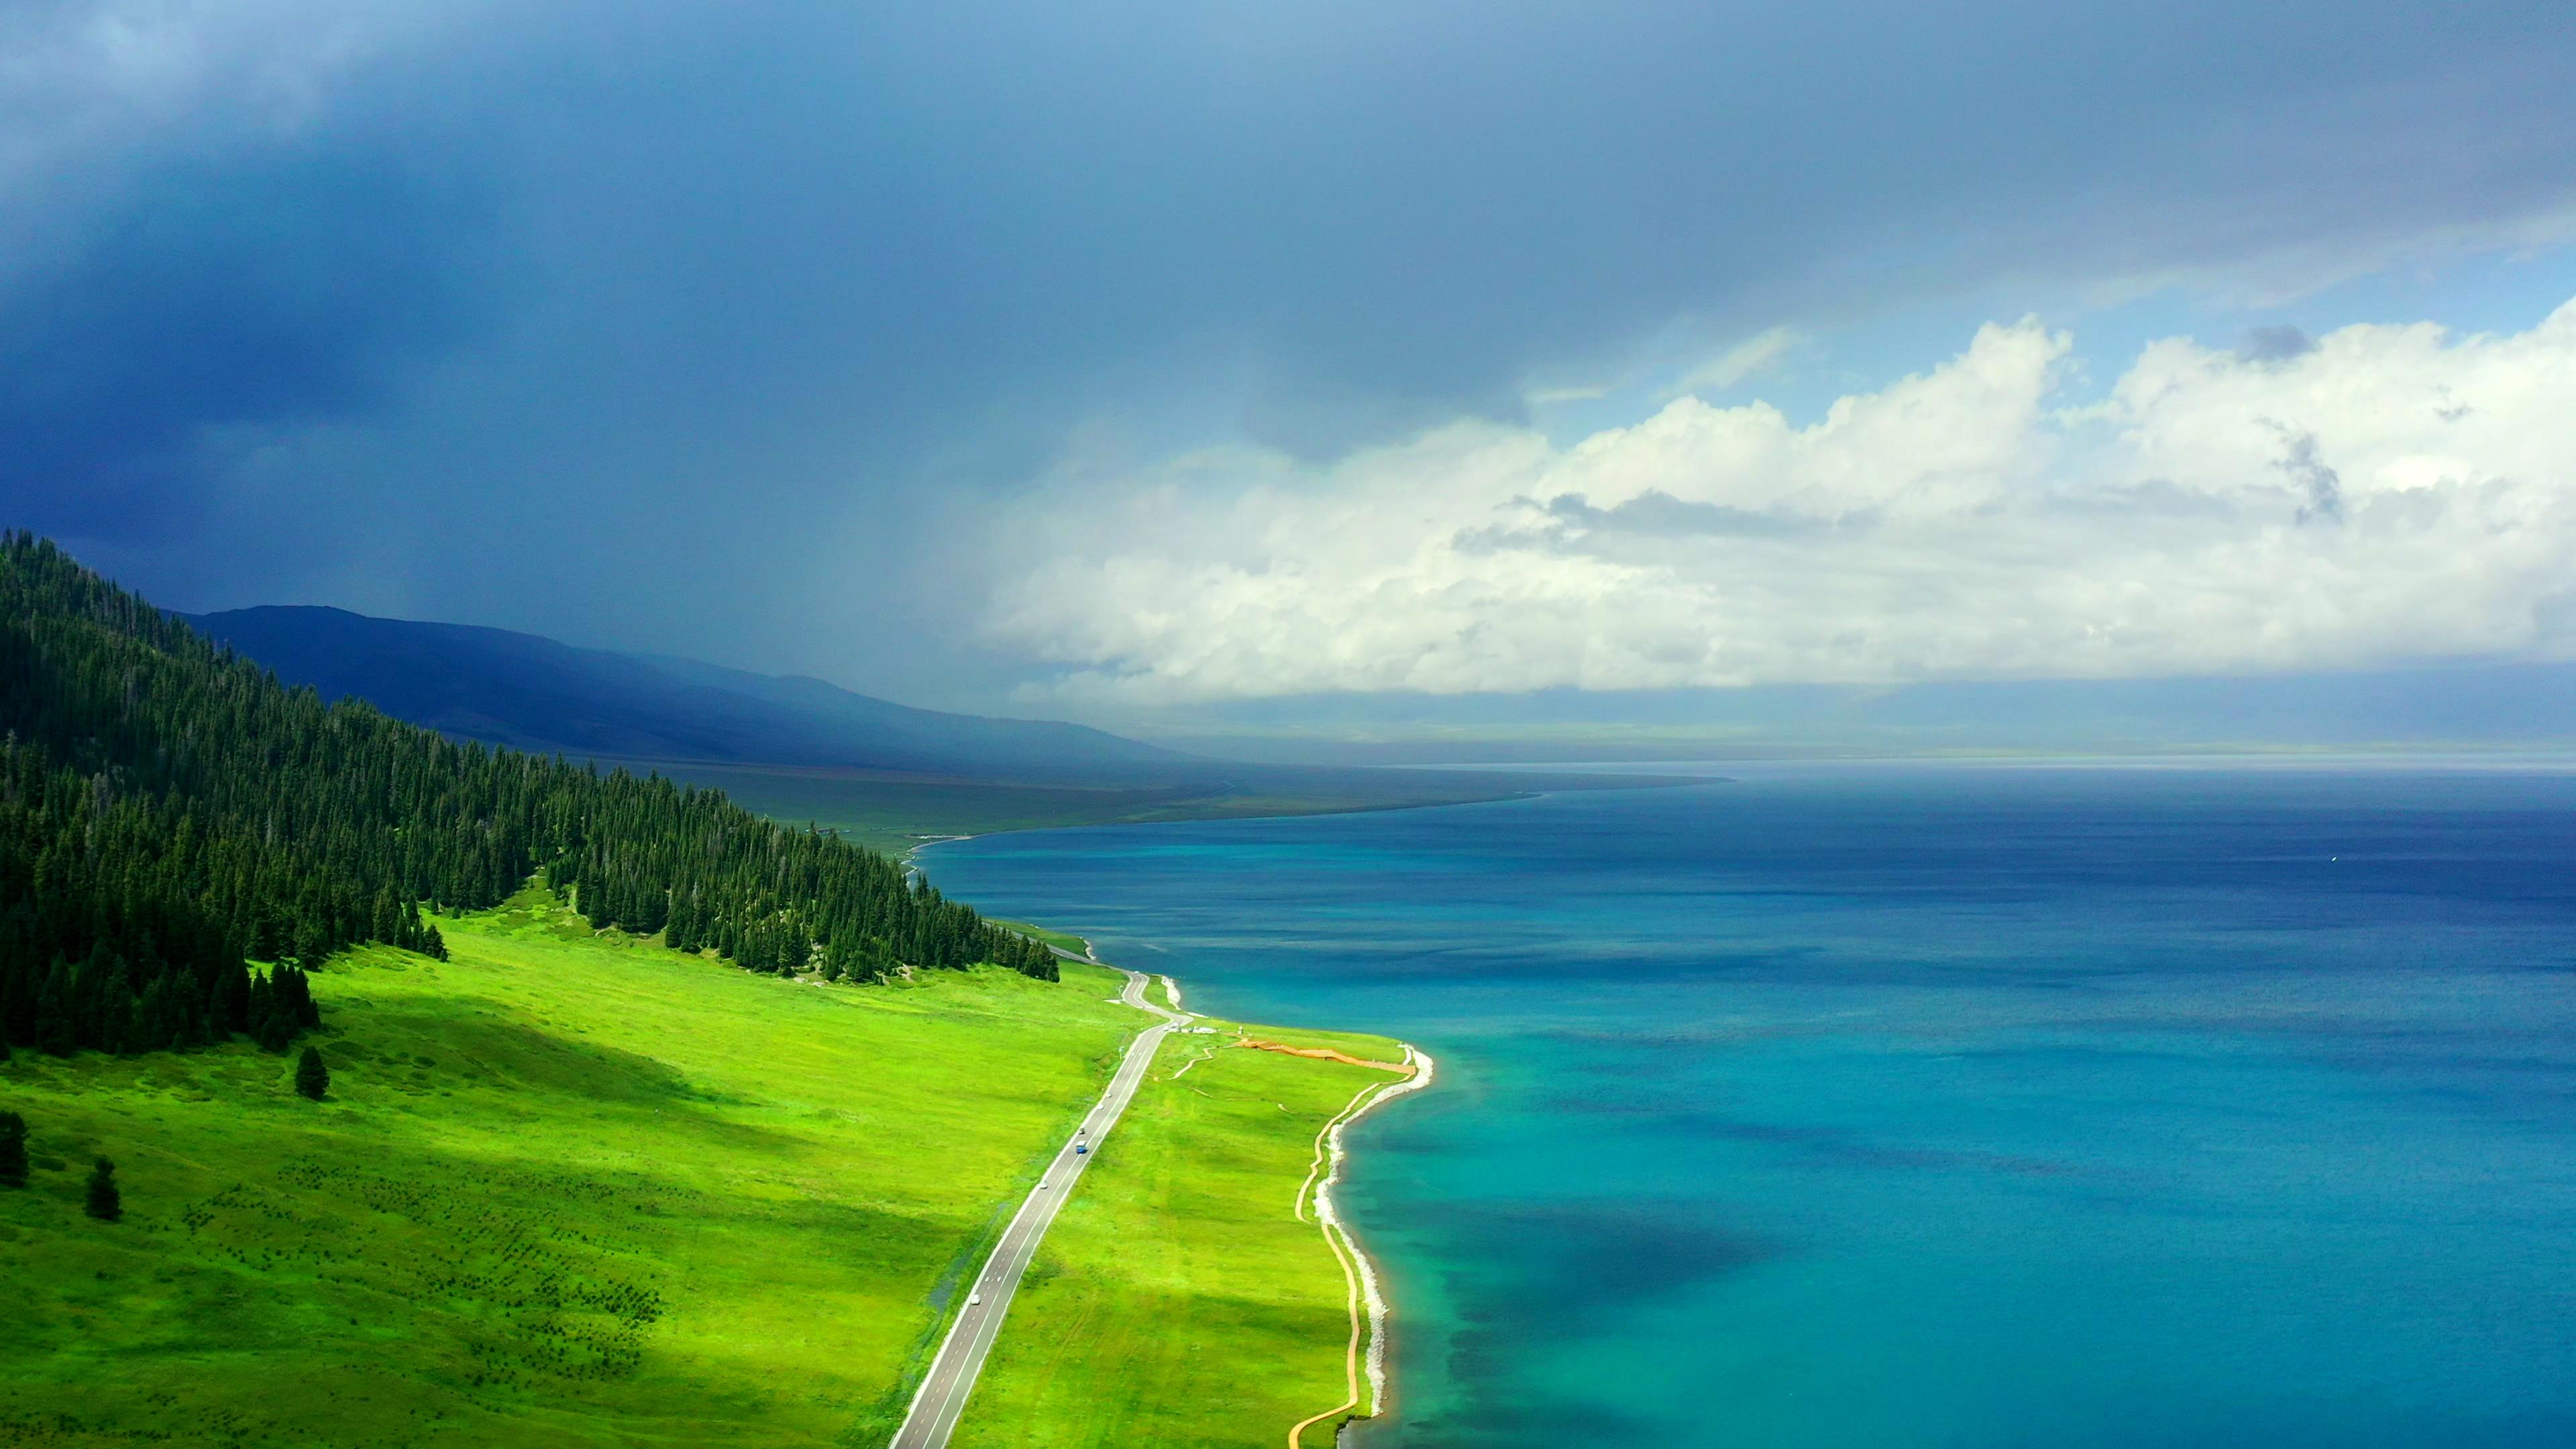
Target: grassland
(566,1190)
(1179,1300)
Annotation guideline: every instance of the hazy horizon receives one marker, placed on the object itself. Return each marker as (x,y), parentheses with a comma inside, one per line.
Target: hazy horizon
(2471,708)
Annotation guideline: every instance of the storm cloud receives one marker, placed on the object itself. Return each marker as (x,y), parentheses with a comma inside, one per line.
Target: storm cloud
(498,313)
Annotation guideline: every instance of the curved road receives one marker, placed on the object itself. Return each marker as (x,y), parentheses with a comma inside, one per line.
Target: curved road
(942,1397)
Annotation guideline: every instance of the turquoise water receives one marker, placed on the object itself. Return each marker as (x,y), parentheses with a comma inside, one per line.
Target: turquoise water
(1878,1106)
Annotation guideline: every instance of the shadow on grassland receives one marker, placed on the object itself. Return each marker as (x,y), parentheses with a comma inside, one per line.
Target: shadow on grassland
(419,1048)
(492,1234)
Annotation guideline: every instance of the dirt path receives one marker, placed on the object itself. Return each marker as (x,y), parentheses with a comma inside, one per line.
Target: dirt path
(1322,1054)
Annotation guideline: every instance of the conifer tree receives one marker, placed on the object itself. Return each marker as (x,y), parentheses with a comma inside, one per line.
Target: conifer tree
(311,1077)
(13,1150)
(105,1204)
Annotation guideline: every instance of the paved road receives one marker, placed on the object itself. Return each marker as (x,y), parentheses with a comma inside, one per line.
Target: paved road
(942,1398)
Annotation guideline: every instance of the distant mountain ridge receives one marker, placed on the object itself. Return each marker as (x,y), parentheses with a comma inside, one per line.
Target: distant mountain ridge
(534,693)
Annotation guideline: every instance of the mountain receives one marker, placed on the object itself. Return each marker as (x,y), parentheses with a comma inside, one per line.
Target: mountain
(802,750)
(535,694)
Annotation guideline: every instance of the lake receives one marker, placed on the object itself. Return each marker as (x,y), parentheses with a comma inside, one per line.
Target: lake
(1906,1105)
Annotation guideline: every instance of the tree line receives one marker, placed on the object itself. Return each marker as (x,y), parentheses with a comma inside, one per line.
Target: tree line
(171,813)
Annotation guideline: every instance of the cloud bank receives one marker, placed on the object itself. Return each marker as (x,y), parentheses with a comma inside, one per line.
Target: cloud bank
(2378,494)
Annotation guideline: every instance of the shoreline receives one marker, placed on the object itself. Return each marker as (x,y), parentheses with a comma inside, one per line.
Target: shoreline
(1369,1307)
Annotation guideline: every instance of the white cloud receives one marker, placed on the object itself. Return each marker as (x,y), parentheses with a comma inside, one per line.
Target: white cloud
(2394,493)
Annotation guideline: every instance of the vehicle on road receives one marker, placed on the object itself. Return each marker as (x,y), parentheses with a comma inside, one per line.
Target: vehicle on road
(1080,1148)
(972,1299)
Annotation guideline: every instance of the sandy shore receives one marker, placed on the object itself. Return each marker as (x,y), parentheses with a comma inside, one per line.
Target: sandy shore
(1369,1305)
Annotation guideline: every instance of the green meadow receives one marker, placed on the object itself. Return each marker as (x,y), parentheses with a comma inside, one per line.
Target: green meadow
(1179,1300)
(565,1189)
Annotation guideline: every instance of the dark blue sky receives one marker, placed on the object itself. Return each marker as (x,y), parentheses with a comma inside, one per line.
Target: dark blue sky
(822,337)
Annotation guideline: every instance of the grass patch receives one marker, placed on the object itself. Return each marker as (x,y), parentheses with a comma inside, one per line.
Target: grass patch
(1179,1300)
(568,1189)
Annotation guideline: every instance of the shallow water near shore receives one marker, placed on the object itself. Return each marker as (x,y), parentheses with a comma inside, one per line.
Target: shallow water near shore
(1925,1106)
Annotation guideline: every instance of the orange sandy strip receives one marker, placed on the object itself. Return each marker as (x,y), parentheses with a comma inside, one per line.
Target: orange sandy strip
(1322,1053)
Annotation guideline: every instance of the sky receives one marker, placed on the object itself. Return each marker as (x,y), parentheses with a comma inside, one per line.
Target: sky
(1141,362)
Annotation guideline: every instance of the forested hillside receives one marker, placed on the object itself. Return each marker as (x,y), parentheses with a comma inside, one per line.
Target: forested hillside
(170,812)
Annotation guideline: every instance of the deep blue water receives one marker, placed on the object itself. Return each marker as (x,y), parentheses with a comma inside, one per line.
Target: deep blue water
(1917,1106)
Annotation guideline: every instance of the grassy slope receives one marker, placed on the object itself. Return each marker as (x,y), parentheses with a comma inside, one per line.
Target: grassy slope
(566,1191)
(1179,1300)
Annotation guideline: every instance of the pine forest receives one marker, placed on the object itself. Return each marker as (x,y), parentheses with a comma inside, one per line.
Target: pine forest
(171,816)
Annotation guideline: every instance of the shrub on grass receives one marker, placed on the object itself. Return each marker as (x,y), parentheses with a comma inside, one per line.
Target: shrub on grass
(104,1202)
(311,1077)
(13,1150)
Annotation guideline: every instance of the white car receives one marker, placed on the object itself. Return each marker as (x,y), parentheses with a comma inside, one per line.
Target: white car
(973,1299)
